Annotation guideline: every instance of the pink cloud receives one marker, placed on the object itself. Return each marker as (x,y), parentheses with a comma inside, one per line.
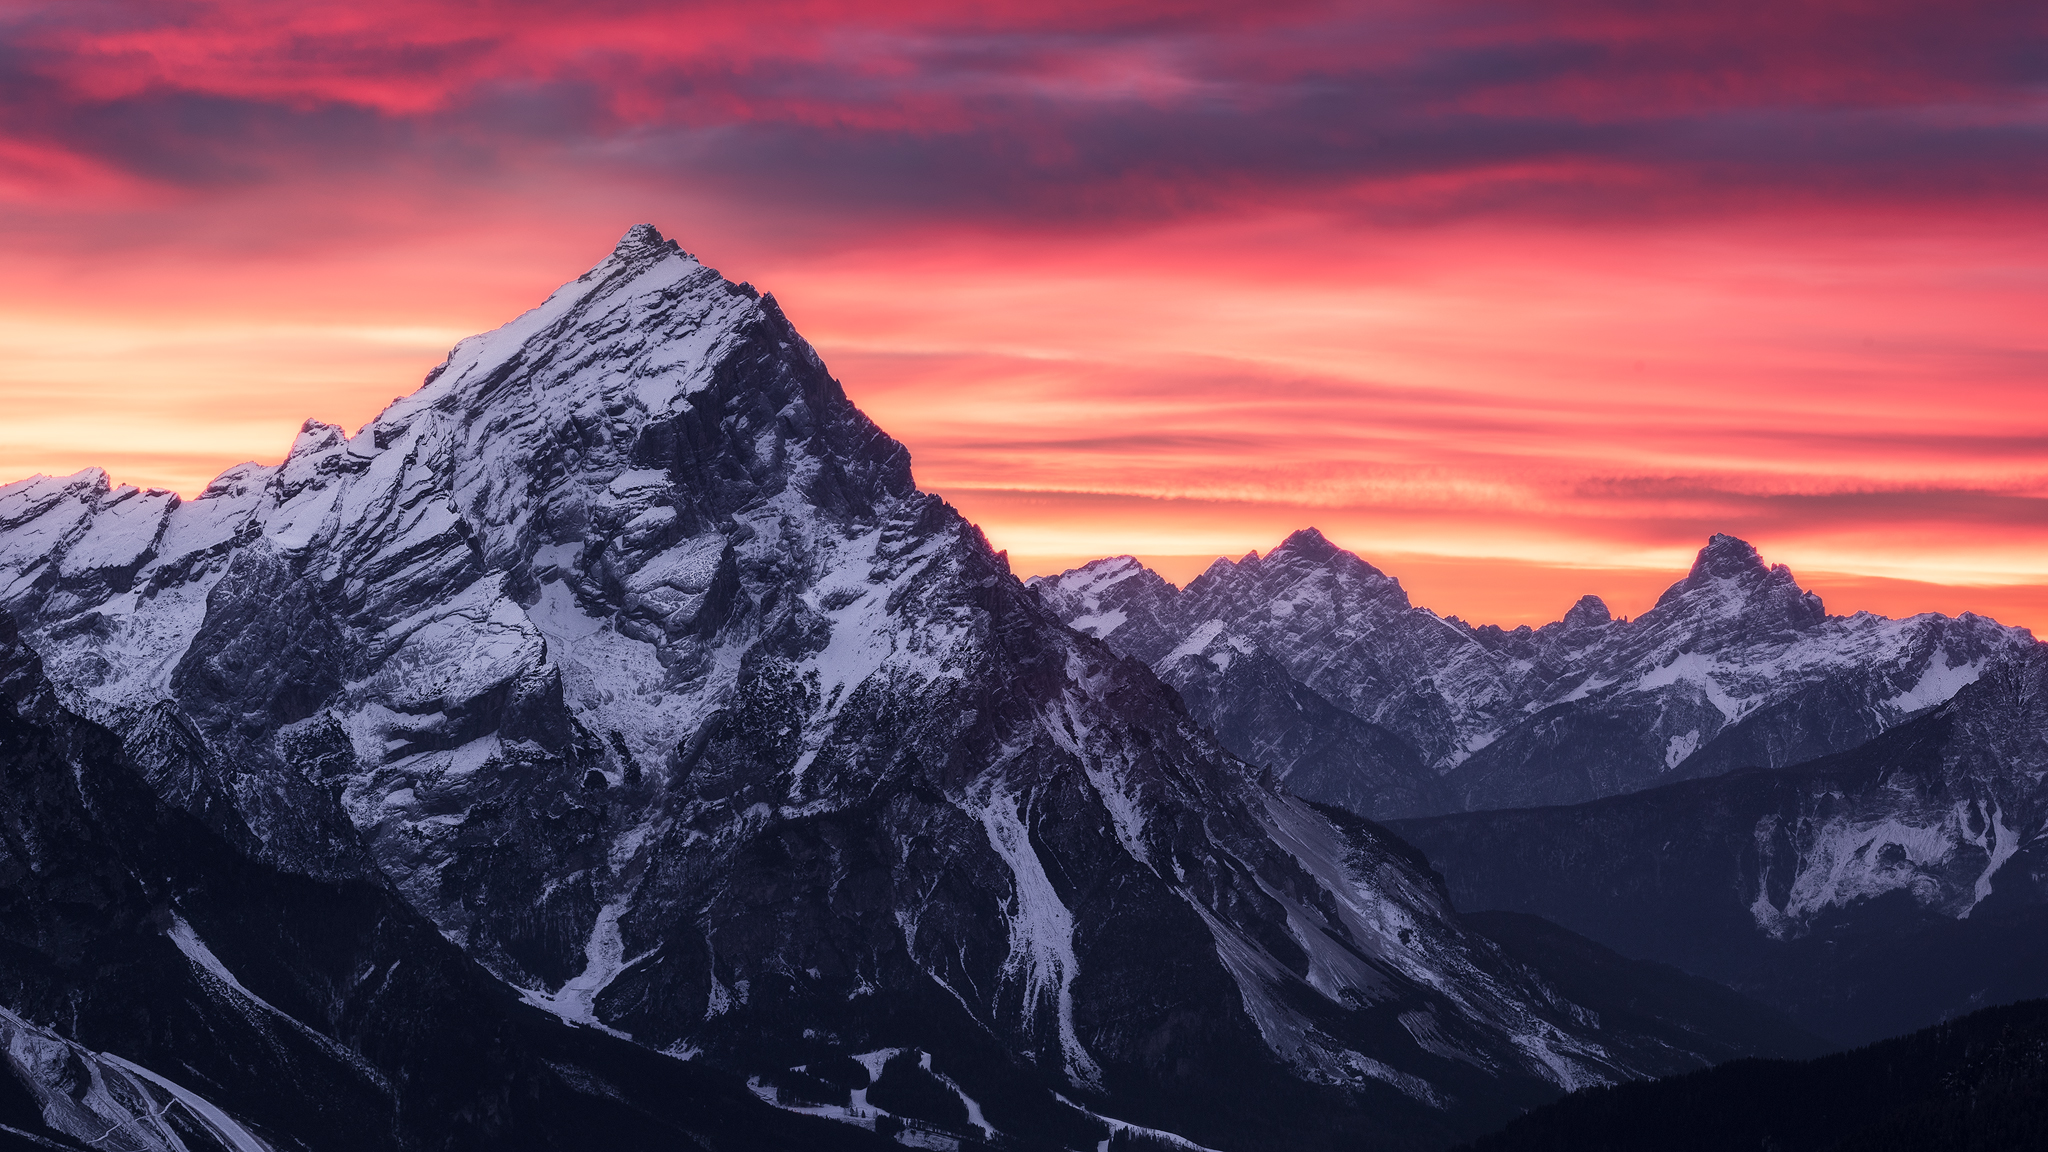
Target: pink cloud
(1570,284)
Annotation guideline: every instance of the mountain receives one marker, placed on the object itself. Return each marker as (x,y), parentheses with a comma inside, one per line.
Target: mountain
(1866,893)
(1312,662)
(1978,1084)
(164,992)
(627,654)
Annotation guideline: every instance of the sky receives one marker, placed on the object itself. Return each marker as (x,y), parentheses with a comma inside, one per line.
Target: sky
(1517,300)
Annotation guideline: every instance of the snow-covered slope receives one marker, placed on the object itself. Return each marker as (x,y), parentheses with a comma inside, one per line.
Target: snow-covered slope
(90,1095)
(1734,667)
(1869,891)
(628,652)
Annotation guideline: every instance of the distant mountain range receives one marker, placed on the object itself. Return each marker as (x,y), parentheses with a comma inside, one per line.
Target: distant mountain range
(1312,662)
(609,745)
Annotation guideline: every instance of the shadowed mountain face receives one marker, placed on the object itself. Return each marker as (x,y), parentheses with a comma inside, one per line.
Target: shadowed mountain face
(162,991)
(627,653)
(1312,662)
(1867,893)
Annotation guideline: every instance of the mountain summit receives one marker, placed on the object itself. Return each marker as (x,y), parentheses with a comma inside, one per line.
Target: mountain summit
(1729,579)
(1726,556)
(628,653)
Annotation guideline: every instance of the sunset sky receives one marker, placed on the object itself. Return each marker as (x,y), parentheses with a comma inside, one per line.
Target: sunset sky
(1519,301)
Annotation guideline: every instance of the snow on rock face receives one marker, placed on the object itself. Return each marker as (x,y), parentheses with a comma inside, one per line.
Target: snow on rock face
(1735,666)
(1107,595)
(627,651)
(106,1101)
(166,992)
(1041,936)
(1873,851)
(76,536)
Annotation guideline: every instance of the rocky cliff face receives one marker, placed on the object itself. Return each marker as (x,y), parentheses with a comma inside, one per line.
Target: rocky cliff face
(1395,711)
(164,993)
(628,653)
(1869,892)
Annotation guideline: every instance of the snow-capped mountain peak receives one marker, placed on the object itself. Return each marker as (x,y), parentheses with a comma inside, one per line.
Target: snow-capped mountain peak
(1729,580)
(1308,544)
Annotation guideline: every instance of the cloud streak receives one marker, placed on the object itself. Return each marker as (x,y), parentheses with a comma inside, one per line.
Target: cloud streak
(1072,116)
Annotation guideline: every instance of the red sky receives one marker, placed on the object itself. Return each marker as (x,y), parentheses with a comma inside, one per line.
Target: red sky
(1518,300)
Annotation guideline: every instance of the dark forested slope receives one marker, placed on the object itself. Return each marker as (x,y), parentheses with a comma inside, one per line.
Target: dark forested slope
(1978,1084)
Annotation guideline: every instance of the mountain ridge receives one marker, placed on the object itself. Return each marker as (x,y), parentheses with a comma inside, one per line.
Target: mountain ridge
(1824,888)
(1734,665)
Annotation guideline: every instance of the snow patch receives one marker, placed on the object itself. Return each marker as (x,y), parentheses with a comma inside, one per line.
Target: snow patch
(1091,581)
(1041,933)
(2002,843)
(1197,641)
(1116,1125)
(1681,747)
(1698,669)
(225,1127)
(1100,624)
(1564,1072)
(1937,683)
(94,1095)
(202,957)
(123,530)
(604,958)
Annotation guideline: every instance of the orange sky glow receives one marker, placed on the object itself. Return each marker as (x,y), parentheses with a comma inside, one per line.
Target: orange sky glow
(1516,305)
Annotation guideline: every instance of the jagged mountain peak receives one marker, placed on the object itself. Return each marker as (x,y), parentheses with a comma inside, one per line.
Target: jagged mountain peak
(642,238)
(316,435)
(1308,546)
(32,496)
(1590,611)
(1094,572)
(1308,543)
(1725,555)
(1092,581)
(1305,555)
(1730,581)
(610,463)
(565,390)
(1103,596)
(648,287)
